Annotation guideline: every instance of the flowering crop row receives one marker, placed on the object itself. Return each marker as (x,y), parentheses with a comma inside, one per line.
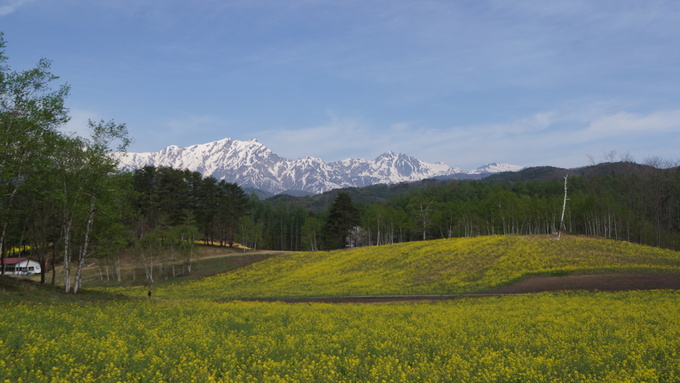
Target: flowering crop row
(447,266)
(565,337)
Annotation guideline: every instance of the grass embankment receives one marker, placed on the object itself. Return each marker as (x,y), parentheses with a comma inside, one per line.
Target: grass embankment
(454,266)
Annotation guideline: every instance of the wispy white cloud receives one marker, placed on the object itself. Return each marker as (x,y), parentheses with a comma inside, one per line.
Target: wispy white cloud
(558,137)
(626,123)
(329,141)
(568,137)
(192,123)
(199,128)
(9,6)
(78,124)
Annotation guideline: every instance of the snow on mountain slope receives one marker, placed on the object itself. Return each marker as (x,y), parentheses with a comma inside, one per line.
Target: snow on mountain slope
(495,168)
(251,164)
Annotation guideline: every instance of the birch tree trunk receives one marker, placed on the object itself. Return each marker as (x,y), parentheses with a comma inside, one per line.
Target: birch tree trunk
(564,207)
(148,267)
(83,253)
(67,254)
(2,249)
(117,267)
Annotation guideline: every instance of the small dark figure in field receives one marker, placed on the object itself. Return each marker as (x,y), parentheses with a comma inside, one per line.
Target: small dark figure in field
(149,293)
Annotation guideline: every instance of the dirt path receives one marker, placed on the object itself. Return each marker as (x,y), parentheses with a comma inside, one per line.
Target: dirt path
(600,282)
(226,253)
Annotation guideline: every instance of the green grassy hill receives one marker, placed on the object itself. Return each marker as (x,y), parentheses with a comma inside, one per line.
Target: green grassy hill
(453,266)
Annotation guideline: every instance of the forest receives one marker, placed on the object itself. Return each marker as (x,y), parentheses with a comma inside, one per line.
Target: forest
(623,200)
(64,200)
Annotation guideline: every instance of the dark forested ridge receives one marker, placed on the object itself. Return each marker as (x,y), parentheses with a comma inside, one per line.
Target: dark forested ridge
(553,173)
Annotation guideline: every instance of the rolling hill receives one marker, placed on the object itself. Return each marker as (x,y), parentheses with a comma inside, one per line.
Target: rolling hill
(452,266)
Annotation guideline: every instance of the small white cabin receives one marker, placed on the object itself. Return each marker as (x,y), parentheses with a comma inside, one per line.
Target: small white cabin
(21,266)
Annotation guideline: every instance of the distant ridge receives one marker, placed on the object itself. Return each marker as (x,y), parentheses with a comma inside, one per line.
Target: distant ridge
(252,165)
(553,173)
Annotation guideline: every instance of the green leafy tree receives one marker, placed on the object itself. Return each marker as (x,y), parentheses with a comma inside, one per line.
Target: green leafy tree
(251,232)
(422,209)
(312,233)
(92,186)
(30,113)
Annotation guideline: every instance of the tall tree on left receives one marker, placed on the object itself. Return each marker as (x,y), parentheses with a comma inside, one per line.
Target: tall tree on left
(86,169)
(30,113)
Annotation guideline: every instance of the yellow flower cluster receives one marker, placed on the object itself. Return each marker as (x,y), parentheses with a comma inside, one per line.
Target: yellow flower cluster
(562,337)
(448,266)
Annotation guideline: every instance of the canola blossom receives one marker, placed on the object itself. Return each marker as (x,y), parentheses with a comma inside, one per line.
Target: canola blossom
(449,266)
(549,337)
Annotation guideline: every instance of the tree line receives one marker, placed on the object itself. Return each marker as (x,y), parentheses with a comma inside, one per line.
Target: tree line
(624,200)
(638,204)
(627,201)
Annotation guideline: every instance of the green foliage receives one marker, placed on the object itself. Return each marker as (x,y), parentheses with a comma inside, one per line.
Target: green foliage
(166,196)
(312,231)
(637,203)
(251,232)
(342,219)
(54,187)
(281,223)
(30,112)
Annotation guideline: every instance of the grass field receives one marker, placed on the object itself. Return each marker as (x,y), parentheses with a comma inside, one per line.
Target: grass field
(183,334)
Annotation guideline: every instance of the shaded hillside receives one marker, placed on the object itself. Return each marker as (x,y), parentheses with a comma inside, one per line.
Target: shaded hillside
(453,266)
(384,192)
(552,173)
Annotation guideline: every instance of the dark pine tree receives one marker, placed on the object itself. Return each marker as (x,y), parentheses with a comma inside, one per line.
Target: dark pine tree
(342,218)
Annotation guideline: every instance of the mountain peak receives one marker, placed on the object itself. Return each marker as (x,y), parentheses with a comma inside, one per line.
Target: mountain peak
(251,164)
(387,154)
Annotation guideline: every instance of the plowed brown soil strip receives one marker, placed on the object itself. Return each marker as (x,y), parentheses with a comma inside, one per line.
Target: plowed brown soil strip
(600,282)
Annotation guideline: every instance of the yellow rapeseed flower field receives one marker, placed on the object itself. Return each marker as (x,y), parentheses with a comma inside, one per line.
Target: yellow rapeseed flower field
(550,337)
(184,334)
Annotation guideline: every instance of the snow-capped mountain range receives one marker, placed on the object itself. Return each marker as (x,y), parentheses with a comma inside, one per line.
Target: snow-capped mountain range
(250,164)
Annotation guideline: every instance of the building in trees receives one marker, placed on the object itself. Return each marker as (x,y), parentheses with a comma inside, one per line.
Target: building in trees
(21,266)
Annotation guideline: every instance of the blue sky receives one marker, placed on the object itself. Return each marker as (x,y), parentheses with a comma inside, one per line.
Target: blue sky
(461,82)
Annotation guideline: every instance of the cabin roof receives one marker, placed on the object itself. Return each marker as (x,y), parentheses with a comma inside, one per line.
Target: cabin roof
(15,260)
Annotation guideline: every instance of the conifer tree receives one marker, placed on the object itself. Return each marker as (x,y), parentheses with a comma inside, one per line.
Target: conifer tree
(342,218)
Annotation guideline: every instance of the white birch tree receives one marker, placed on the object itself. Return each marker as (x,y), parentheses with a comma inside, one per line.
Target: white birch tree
(564,208)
